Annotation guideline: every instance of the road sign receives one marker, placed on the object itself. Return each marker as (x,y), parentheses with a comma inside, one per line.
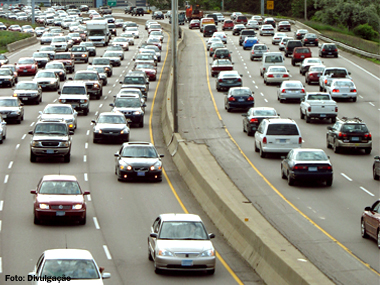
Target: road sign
(270,5)
(111,3)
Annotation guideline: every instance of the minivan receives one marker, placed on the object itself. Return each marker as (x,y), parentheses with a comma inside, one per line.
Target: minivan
(270,59)
(209,30)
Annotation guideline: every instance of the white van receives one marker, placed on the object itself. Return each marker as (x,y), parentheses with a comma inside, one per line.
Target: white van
(270,59)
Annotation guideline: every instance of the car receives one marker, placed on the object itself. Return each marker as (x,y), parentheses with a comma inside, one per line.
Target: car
(84,8)
(266,30)
(75,94)
(3,130)
(252,24)
(128,92)
(313,74)
(47,79)
(376,168)
(213,40)
(277,135)
(241,19)
(221,35)
(370,222)
(101,70)
(258,18)
(154,41)
(112,28)
(209,30)
(237,29)
(49,50)
(39,31)
(299,54)
(59,43)
(219,16)
(290,90)
(214,46)
(13,68)
(118,49)
(328,49)
(41,58)
(119,23)
(228,25)
(114,57)
(60,111)
(129,37)
(122,42)
(157,34)
(134,31)
(342,88)
(249,42)
(307,165)
(239,98)
(136,81)
(103,62)
(258,50)
(213,16)
(245,33)
(3,59)
(222,53)
(138,160)
(80,53)
(28,91)
(58,68)
(181,242)
(310,39)
(92,80)
(349,133)
(228,79)
(254,116)
(270,21)
(67,59)
(282,43)
(149,69)
(276,74)
(131,106)
(138,12)
(234,15)
(307,62)
(59,197)
(7,77)
(75,37)
(290,45)
(284,26)
(110,127)
(219,65)
(14,28)
(156,49)
(90,48)
(146,58)
(109,18)
(11,109)
(26,66)
(157,15)
(300,33)
(278,37)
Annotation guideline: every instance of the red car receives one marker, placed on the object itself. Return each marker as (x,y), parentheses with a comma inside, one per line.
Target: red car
(26,66)
(313,74)
(241,20)
(149,70)
(59,197)
(370,222)
(194,24)
(299,54)
(228,25)
(15,28)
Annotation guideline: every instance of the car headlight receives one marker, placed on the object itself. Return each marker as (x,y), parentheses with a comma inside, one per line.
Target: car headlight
(143,89)
(52,82)
(83,100)
(65,144)
(77,206)
(96,85)
(156,166)
(208,253)
(61,73)
(84,55)
(7,79)
(62,100)
(125,167)
(137,113)
(44,206)
(163,252)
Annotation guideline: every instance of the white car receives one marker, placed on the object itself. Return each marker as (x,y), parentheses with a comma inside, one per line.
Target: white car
(252,24)
(276,74)
(307,62)
(60,111)
(277,135)
(59,44)
(78,264)
(284,40)
(134,31)
(213,40)
(221,35)
(3,130)
(290,90)
(130,38)
(278,37)
(266,30)
(342,88)
(220,17)
(259,19)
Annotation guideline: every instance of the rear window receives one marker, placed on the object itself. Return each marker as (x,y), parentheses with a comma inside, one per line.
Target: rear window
(354,128)
(282,129)
(252,32)
(242,18)
(273,58)
(302,50)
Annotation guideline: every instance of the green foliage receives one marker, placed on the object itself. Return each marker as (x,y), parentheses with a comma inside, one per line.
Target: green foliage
(42,5)
(7,37)
(366,32)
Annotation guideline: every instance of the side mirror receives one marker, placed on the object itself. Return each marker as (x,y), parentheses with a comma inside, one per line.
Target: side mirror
(144,105)
(93,121)
(120,82)
(112,104)
(106,275)
(329,128)
(153,235)
(86,193)
(161,155)
(376,157)
(211,235)
(59,92)
(30,132)
(90,63)
(71,133)
(367,209)
(116,154)
(33,192)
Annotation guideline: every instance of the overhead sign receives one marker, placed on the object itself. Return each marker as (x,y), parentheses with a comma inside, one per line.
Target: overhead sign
(111,3)
(270,5)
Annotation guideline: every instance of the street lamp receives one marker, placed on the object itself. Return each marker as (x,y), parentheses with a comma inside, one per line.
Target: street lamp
(174,63)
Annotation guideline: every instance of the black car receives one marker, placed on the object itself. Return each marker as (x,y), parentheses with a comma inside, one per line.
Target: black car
(290,45)
(349,133)
(221,53)
(254,116)
(209,30)
(110,127)
(228,79)
(376,168)
(112,28)
(237,28)
(131,106)
(41,58)
(28,91)
(310,39)
(137,12)
(306,165)
(138,160)
(270,21)
(328,49)
(157,15)
(239,98)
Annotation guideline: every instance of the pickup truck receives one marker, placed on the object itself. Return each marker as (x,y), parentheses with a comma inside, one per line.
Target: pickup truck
(331,73)
(316,105)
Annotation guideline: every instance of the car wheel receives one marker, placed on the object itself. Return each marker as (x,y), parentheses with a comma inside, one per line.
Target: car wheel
(255,147)
(336,148)
(293,63)
(33,157)
(320,89)
(85,112)
(368,150)
(302,116)
(282,100)
(363,230)
(286,55)
(94,140)
(66,158)
(157,270)
(375,176)
(354,99)
(333,120)
(36,220)
(290,180)
(83,221)
(283,176)
(262,153)
(210,272)
(329,182)
(149,254)
(308,120)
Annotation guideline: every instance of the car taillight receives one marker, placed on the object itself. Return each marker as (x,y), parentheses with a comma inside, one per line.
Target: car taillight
(283,91)
(265,140)
(253,52)
(300,167)
(285,75)
(325,167)
(325,81)
(335,50)
(270,75)
(309,109)
(239,79)
(220,80)
(250,98)
(264,69)
(335,90)
(316,40)
(368,136)
(254,121)
(336,109)
(323,49)
(299,140)
(231,99)
(305,40)
(342,135)
(303,90)
(298,34)
(353,90)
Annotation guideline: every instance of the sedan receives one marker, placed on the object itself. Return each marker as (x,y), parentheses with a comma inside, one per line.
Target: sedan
(266,30)
(149,69)
(307,62)
(121,41)
(252,24)
(249,42)
(28,91)
(254,116)
(26,66)
(313,74)
(276,74)
(15,28)
(278,37)
(3,59)
(214,46)
(114,57)
(290,90)
(110,126)
(282,43)
(213,40)
(90,48)
(60,111)
(154,41)
(42,58)
(7,77)
(284,26)
(219,65)
(258,50)
(307,164)
(221,35)
(181,242)
(58,68)
(376,168)
(134,31)
(342,88)
(3,130)
(328,49)
(129,37)
(47,79)
(118,49)
(59,197)
(239,98)
(49,50)
(237,29)
(370,222)
(138,160)
(310,39)
(299,34)
(157,34)
(228,79)
(132,106)
(11,109)
(194,24)
(13,68)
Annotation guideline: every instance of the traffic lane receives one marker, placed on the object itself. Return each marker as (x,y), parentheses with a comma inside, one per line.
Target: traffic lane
(296,227)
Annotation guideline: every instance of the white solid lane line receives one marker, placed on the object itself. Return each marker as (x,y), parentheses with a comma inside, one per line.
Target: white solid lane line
(345,176)
(107,252)
(96,223)
(360,68)
(365,190)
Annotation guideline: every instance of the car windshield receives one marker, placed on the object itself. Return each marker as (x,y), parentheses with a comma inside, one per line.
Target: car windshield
(354,128)
(100,61)
(58,40)
(139,152)
(302,50)
(222,62)
(86,76)
(45,75)
(60,188)
(311,155)
(26,61)
(99,69)
(260,47)
(51,128)
(54,66)
(111,54)
(134,80)
(110,119)
(86,44)
(282,129)
(344,84)
(144,66)
(293,85)
(6,72)
(8,103)
(119,40)
(62,56)
(47,49)
(273,58)
(40,54)
(131,28)
(73,268)
(81,49)
(127,102)
(58,110)
(26,86)
(73,90)
(317,68)
(178,230)
(277,69)
(265,113)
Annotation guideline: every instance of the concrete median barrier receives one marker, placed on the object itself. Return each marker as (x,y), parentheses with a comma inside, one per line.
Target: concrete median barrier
(22,44)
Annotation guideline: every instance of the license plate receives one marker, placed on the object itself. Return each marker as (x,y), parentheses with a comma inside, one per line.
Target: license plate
(302,56)
(43,85)
(322,115)
(330,52)
(355,139)
(25,70)
(344,95)
(49,151)
(282,140)
(230,81)
(312,168)
(24,99)
(74,106)
(241,100)
(60,213)
(278,76)
(187,263)
(140,173)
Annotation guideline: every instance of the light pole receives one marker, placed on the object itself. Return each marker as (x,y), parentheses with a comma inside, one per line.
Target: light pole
(174,63)
(305,10)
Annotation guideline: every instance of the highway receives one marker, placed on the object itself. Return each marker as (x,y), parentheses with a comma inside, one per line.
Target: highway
(119,215)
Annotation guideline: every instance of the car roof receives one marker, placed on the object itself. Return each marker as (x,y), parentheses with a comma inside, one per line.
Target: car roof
(74,83)
(180,217)
(307,149)
(56,177)
(111,114)
(280,121)
(67,254)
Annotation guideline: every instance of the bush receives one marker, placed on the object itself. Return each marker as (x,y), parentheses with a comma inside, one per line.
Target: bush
(7,37)
(366,32)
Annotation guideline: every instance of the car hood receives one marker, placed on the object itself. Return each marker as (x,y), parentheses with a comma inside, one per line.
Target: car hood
(24,65)
(57,116)
(44,79)
(60,198)
(9,109)
(19,91)
(110,126)
(184,245)
(139,161)
(56,70)
(53,137)
(5,76)
(58,43)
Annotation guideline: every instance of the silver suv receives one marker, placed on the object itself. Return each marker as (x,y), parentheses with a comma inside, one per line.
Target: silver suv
(277,135)
(51,138)
(75,94)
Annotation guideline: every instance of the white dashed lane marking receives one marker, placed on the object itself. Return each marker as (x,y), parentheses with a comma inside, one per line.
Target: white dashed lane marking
(96,223)
(6,179)
(1,205)
(345,176)
(23,137)
(365,190)
(85,177)
(107,252)
(10,165)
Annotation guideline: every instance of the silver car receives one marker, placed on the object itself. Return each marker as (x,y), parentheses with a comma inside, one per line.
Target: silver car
(60,111)
(252,24)
(3,130)
(278,37)
(47,79)
(342,88)
(276,75)
(181,242)
(290,90)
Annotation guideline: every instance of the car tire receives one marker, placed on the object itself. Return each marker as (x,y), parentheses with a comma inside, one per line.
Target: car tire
(255,147)
(336,148)
(290,181)
(329,182)
(282,100)
(286,55)
(262,153)
(83,221)
(149,254)
(86,111)
(302,116)
(375,176)
(307,118)
(368,150)
(320,89)
(210,272)
(33,157)
(333,120)
(36,220)
(293,63)
(157,271)
(283,176)
(363,230)
(354,99)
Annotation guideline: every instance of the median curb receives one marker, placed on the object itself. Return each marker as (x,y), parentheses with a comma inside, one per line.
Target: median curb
(22,44)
